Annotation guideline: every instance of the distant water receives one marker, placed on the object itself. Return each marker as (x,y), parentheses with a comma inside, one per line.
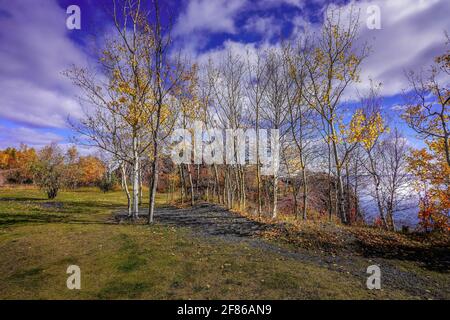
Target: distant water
(406,216)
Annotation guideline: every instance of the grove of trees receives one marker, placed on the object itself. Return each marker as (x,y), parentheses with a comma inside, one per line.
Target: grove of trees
(51,168)
(143,88)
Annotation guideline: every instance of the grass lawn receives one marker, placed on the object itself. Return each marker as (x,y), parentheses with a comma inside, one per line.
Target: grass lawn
(39,239)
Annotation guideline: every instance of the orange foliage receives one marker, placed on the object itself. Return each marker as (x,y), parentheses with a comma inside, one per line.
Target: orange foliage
(91,170)
(433,174)
(19,162)
(78,171)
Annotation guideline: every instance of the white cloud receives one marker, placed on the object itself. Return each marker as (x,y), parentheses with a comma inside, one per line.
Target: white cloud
(30,103)
(412,35)
(398,107)
(35,49)
(209,16)
(268,27)
(38,138)
(13,137)
(244,50)
(274,3)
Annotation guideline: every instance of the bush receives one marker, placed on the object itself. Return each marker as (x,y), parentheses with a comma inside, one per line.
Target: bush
(108,182)
(48,170)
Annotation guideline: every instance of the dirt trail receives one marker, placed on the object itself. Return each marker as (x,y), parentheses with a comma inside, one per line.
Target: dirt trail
(213,222)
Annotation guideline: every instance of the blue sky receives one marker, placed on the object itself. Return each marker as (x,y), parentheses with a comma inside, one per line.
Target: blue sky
(35,47)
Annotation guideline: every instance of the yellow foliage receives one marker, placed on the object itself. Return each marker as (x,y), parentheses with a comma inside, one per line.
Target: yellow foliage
(432,180)
(366,129)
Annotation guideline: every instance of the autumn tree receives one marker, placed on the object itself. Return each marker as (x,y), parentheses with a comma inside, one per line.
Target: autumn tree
(72,170)
(428,103)
(274,111)
(256,85)
(227,80)
(118,100)
(335,64)
(190,112)
(366,127)
(427,113)
(431,172)
(19,163)
(48,170)
(302,121)
(91,170)
(165,71)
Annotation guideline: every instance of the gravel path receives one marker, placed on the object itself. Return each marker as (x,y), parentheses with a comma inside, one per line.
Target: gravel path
(213,222)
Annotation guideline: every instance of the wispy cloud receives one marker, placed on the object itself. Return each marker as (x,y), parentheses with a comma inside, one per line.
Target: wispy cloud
(267,26)
(35,49)
(13,137)
(209,16)
(411,35)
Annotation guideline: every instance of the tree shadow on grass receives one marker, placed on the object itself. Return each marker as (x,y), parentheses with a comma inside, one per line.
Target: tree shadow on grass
(21,199)
(15,219)
(92,204)
(83,212)
(434,258)
(9,219)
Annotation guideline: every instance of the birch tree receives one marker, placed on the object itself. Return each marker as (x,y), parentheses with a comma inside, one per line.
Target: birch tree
(334,67)
(256,88)
(165,70)
(275,108)
(115,117)
(227,81)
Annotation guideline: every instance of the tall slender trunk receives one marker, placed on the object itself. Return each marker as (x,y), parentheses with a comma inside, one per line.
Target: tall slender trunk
(258,168)
(173,191)
(214,190)
(294,194)
(191,184)
(140,183)
(355,191)
(330,203)
(155,165)
(168,193)
(225,188)
(444,120)
(340,186)
(244,196)
(182,189)
(153,184)
(122,181)
(197,180)
(125,188)
(275,196)
(217,189)
(135,178)
(305,195)
(237,175)
(379,203)
(229,197)
(159,103)
(390,217)
(377,182)
(347,191)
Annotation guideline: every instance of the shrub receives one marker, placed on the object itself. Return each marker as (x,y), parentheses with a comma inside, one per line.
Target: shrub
(107,182)
(48,170)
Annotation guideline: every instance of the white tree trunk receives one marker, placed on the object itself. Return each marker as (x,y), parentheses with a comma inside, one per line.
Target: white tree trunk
(275,196)
(125,188)
(135,178)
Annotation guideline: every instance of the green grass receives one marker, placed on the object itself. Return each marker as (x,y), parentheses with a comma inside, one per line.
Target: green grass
(39,239)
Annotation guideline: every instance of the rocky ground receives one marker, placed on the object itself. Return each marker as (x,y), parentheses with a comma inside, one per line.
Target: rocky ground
(402,268)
